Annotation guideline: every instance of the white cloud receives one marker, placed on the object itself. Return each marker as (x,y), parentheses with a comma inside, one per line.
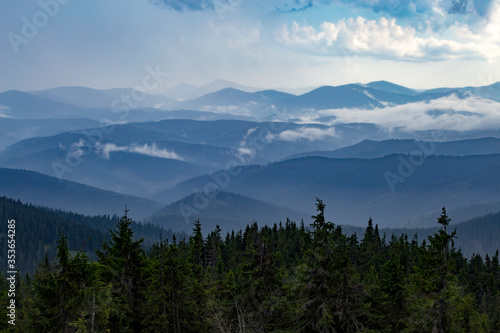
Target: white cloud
(4,108)
(76,148)
(447,113)
(303,133)
(146,149)
(108,148)
(243,151)
(386,39)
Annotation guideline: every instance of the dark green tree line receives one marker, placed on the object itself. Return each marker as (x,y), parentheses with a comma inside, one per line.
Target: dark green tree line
(281,278)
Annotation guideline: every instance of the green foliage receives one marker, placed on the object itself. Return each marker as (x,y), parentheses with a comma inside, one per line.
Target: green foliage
(67,295)
(280,278)
(38,229)
(124,261)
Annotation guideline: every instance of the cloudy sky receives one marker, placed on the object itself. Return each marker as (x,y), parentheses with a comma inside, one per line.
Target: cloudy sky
(261,43)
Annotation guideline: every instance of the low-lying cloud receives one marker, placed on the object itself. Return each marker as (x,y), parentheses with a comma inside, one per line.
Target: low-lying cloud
(303,133)
(3,110)
(146,149)
(447,113)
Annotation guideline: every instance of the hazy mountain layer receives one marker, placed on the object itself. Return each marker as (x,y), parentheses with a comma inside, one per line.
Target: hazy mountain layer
(393,189)
(51,192)
(228,210)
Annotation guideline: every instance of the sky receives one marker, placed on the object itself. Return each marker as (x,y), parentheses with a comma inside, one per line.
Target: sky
(260,43)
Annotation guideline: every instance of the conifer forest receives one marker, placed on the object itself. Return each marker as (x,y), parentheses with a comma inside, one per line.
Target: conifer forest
(289,277)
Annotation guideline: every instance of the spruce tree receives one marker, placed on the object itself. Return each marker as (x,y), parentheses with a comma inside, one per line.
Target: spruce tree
(331,294)
(123,263)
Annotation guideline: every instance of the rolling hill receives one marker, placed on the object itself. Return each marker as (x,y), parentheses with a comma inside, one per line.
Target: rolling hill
(235,101)
(183,91)
(38,189)
(352,96)
(101,99)
(390,189)
(491,91)
(374,149)
(20,105)
(129,169)
(38,230)
(228,210)
(391,87)
(477,235)
(14,130)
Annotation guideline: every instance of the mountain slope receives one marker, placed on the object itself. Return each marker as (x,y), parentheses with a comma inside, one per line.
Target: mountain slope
(101,99)
(183,91)
(234,101)
(351,96)
(390,189)
(38,229)
(14,130)
(228,210)
(51,192)
(391,87)
(374,149)
(477,235)
(21,105)
(491,91)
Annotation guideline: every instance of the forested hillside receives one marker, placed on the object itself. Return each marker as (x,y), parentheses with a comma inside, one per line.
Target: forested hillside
(38,228)
(281,278)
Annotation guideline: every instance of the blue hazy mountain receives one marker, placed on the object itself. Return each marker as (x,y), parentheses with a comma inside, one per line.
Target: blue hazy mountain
(38,189)
(477,235)
(374,149)
(149,158)
(170,150)
(149,114)
(352,96)
(86,103)
(21,105)
(142,158)
(234,100)
(228,210)
(14,130)
(183,91)
(264,103)
(356,189)
(116,165)
(391,87)
(102,99)
(81,102)
(491,91)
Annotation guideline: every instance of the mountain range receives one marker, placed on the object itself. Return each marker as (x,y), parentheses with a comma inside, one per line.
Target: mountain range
(42,190)
(374,149)
(156,151)
(219,96)
(227,210)
(394,189)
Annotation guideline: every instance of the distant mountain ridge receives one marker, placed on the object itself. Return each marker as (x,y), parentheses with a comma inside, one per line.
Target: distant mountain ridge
(51,192)
(491,91)
(21,105)
(375,149)
(359,188)
(230,97)
(220,96)
(183,91)
(228,210)
(391,87)
(102,99)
